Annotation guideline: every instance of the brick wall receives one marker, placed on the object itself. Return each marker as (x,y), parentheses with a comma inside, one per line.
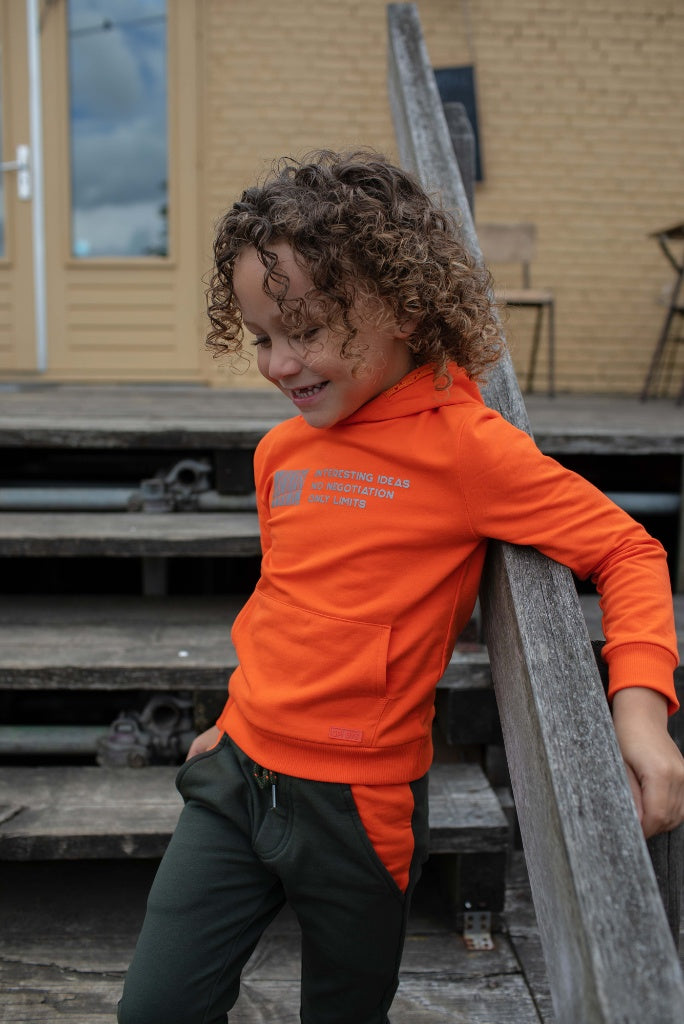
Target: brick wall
(580,127)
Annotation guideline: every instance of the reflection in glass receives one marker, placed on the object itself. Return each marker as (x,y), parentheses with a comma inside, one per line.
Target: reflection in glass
(117,79)
(2,176)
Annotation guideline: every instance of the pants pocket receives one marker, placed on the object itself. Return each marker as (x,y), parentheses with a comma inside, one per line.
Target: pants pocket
(204,756)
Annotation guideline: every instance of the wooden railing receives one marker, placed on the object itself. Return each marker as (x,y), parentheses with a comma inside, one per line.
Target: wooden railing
(609,952)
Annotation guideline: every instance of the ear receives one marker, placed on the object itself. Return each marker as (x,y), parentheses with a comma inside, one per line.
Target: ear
(405,329)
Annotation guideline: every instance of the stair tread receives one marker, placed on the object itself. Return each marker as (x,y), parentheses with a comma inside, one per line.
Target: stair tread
(128,533)
(118,416)
(101,641)
(72,812)
(106,642)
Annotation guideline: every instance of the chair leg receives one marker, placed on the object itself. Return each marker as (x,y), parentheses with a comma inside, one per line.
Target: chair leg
(654,368)
(552,349)
(529,384)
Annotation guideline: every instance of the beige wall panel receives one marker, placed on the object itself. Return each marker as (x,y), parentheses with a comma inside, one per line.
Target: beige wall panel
(17,333)
(116,319)
(580,114)
(579,111)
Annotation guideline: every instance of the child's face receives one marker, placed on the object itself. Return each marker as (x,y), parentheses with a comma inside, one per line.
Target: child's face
(325,386)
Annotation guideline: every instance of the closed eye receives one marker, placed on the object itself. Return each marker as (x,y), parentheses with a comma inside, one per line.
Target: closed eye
(305,335)
(261,340)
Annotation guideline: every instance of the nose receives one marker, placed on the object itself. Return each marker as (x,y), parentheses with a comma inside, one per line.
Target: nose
(280,361)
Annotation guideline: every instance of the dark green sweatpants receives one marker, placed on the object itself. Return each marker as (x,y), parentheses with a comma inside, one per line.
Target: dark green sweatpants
(232,863)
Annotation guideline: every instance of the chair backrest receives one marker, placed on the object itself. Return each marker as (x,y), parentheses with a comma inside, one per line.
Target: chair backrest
(509,243)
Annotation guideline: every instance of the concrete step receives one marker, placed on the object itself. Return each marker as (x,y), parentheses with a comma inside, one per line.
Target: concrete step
(77,812)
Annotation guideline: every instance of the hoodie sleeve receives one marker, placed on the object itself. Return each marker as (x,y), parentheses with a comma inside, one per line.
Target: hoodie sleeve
(262,494)
(514,493)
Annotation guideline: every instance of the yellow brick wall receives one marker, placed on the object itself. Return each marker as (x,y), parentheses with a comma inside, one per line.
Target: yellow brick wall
(579,114)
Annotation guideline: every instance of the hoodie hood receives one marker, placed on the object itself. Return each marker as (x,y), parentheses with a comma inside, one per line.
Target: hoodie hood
(416,392)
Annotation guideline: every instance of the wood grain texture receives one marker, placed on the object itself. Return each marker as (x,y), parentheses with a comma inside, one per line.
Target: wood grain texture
(105,642)
(194,418)
(102,642)
(69,930)
(128,534)
(106,416)
(85,812)
(465,815)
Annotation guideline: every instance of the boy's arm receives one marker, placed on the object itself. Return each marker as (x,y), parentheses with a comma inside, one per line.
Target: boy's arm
(515,494)
(655,766)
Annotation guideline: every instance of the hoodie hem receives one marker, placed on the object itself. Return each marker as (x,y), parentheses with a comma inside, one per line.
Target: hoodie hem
(371,766)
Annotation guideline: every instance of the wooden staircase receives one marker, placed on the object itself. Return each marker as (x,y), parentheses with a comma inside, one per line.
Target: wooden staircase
(75,654)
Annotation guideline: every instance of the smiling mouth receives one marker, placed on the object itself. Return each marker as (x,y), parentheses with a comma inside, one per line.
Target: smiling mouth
(301,394)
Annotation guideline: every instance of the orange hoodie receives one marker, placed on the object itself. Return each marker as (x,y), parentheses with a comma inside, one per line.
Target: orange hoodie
(374,534)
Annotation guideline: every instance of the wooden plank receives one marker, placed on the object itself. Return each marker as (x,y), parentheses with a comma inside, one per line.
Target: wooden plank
(43,993)
(128,534)
(74,812)
(667,855)
(104,642)
(70,928)
(465,814)
(523,932)
(130,642)
(193,417)
(577,818)
(609,952)
(37,993)
(153,416)
(605,425)
(70,812)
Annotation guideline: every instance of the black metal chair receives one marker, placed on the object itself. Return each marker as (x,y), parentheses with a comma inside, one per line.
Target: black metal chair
(663,359)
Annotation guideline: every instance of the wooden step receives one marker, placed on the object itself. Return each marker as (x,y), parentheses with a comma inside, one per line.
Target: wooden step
(153,643)
(125,416)
(128,534)
(74,812)
(116,643)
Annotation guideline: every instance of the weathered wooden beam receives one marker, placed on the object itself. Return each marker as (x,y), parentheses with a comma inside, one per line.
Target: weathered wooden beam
(594,888)
(609,952)
(128,534)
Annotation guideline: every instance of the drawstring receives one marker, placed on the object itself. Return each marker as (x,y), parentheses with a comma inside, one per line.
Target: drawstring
(265,777)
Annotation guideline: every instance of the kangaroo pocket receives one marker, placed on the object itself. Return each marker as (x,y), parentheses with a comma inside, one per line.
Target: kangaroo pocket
(318,678)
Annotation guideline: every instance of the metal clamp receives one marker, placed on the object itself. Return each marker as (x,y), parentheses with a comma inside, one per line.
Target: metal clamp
(477,930)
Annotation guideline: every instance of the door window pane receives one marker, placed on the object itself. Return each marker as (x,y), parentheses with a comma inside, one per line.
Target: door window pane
(118,130)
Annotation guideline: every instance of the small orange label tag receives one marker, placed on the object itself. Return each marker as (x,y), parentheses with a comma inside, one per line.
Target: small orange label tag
(350,735)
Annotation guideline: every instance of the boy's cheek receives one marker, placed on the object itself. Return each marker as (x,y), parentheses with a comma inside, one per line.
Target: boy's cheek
(263,363)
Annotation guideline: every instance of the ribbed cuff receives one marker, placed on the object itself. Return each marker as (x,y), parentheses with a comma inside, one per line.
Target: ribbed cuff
(642,664)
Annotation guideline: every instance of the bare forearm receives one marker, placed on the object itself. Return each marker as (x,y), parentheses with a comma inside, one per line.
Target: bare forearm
(655,766)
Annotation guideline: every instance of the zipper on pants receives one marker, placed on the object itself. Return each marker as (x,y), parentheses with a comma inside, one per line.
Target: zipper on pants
(264,777)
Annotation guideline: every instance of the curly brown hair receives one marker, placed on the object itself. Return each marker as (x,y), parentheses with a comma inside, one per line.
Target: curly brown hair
(363,229)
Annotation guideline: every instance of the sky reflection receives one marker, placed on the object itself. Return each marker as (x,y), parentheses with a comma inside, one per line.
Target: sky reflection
(118,110)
